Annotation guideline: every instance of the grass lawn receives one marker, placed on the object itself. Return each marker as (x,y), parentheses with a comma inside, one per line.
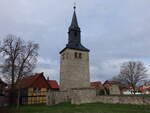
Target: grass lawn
(83,108)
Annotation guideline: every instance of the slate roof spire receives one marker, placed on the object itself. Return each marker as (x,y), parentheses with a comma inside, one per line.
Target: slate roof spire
(74,35)
(74,22)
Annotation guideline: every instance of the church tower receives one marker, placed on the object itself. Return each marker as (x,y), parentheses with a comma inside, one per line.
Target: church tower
(74,60)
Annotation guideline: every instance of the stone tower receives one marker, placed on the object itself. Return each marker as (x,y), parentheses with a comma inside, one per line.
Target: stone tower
(74,60)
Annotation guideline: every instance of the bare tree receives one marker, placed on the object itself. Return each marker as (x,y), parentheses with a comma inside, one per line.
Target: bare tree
(132,73)
(10,49)
(19,58)
(27,60)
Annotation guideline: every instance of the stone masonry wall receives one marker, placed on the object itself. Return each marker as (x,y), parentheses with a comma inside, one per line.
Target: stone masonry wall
(114,89)
(56,97)
(88,95)
(74,72)
(139,100)
(82,95)
(76,96)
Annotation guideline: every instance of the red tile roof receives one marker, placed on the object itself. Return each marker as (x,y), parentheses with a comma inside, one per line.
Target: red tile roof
(110,82)
(95,84)
(35,81)
(53,84)
(144,88)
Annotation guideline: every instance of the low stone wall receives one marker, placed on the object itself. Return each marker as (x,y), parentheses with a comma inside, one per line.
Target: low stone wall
(139,100)
(80,96)
(56,97)
(83,95)
(76,96)
(88,95)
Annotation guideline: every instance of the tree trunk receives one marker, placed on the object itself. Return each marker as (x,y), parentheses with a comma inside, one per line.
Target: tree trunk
(134,90)
(12,75)
(18,99)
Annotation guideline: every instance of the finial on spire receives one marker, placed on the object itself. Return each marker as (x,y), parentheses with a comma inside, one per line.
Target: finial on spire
(74,7)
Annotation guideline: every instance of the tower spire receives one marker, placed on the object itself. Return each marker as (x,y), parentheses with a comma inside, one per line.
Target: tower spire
(74,23)
(74,33)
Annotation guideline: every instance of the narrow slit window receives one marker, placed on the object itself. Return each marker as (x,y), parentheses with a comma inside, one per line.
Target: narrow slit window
(67,55)
(63,56)
(75,54)
(80,55)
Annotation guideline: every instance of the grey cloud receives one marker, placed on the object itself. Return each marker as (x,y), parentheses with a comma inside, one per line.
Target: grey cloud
(113,30)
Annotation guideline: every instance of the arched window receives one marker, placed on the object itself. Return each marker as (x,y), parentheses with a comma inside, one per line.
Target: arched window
(75,55)
(80,55)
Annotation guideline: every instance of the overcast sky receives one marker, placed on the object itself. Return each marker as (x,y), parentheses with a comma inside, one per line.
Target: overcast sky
(115,31)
